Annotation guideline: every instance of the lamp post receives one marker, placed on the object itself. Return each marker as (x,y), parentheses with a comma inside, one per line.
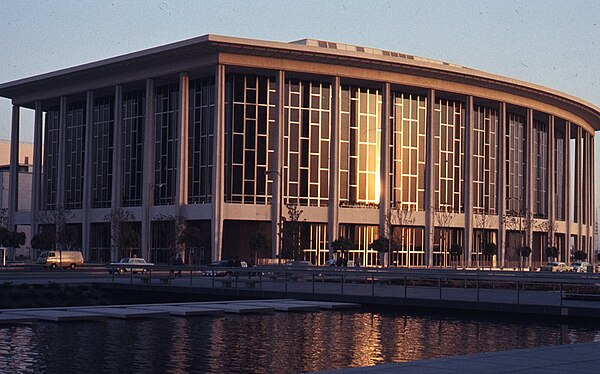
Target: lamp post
(279,209)
(151,188)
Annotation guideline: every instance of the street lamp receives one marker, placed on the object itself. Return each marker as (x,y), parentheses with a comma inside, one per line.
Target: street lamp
(151,188)
(279,209)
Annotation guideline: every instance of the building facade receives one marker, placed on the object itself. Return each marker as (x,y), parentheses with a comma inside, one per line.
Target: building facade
(459,167)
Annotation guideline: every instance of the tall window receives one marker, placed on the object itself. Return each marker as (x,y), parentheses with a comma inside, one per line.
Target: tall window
(485,148)
(74,155)
(250,138)
(102,152)
(407,151)
(50,165)
(448,159)
(317,250)
(540,169)
(306,142)
(515,163)
(360,142)
(559,168)
(201,130)
(165,145)
(132,136)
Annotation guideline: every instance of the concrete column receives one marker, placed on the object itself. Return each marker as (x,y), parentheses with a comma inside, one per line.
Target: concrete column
(334,165)
(593,199)
(568,171)
(429,182)
(181,191)
(36,183)
(218,165)
(60,182)
(148,173)
(87,178)
(551,179)
(277,174)
(501,185)
(530,182)
(13,184)
(384,176)
(468,187)
(578,186)
(117,162)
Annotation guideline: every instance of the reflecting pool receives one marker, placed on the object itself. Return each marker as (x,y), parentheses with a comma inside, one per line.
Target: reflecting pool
(271,343)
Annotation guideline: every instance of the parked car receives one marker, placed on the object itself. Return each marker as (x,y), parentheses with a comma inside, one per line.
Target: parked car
(133,264)
(581,267)
(556,267)
(297,263)
(55,259)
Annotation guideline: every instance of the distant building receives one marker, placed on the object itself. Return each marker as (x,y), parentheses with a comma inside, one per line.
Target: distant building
(225,132)
(25,170)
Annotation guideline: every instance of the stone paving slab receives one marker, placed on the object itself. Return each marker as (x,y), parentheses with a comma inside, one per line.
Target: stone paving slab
(60,315)
(566,359)
(287,306)
(123,313)
(15,318)
(180,310)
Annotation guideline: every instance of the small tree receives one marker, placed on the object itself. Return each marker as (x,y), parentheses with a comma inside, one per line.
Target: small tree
(342,244)
(258,244)
(552,253)
(121,231)
(443,217)
(11,239)
(456,251)
(524,253)
(580,255)
(43,241)
(489,251)
(292,233)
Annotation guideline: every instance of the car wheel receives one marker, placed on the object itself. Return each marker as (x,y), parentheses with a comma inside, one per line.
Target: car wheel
(53,266)
(72,266)
(121,271)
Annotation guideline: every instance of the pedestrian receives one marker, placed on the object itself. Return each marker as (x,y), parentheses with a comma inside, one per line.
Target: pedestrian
(171,263)
(179,263)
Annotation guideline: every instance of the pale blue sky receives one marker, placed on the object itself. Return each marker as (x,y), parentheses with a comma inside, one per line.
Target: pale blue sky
(552,43)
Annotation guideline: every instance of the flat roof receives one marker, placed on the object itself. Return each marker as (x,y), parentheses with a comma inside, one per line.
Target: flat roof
(311,50)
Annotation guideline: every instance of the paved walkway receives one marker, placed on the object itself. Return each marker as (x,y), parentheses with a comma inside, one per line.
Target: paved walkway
(572,358)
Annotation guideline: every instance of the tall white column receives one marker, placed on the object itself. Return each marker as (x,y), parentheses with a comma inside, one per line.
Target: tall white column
(568,200)
(468,188)
(334,165)
(182,151)
(218,165)
(60,175)
(551,181)
(277,174)
(36,183)
(429,182)
(501,185)
(384,176)
(148,173)
(87,178)
(530,181)
(578,186)
(13,184)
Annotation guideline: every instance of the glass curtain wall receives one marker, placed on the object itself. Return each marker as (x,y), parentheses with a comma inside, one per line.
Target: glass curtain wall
(362,236)
(411,246)
(407,151)
(360,142)
(444,239)
(559,150)
(306,142)
(100,242)
(317,251)
(515,139)
(485,150)
(132,136)
(200,138)
(250,137)
(50,164)
(448,159)
(102,152)
(74,154)
(540,169)
(166,103)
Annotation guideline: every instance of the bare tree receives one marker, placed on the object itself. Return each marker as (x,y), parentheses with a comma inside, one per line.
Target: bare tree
(482,222)
(121,232)
(399,216)
(443,218)
(65,235)
(292,232)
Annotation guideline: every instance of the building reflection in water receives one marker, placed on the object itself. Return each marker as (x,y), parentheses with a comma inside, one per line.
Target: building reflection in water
(273,343)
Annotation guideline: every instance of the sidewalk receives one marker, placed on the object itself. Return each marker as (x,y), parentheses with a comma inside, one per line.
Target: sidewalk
(571,358)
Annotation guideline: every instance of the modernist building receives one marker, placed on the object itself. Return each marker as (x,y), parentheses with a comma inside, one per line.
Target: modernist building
(226,132)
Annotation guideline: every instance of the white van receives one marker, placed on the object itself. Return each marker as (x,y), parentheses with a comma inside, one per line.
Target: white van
(54,259)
